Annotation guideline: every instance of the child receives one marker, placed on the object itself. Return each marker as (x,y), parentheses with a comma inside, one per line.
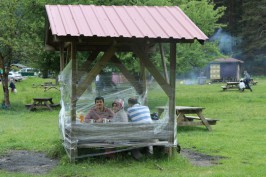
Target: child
(12,86)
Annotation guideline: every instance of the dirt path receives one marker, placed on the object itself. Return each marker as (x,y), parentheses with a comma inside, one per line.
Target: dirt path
(27,162)
(199,159)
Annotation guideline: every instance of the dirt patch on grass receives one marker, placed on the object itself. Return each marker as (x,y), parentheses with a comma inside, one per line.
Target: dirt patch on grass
(27,162)
(199,159)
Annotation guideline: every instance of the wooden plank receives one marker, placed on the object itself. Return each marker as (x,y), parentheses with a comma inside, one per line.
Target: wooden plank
(188,123)
(138,49)
(211,121)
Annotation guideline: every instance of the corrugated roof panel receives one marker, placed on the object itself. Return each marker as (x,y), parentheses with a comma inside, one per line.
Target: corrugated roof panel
(149,19)
(187,24)
(92,21)
(56,23)
(117,24)
(71,21)
(80,22)
(122,21)
(128,22)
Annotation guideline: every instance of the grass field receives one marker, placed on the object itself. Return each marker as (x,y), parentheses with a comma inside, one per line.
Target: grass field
(239,136)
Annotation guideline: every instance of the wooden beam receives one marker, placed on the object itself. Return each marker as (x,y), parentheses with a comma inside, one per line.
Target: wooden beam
(87,63)
(138,49)
(95,70)
(85,67)
(164,63)
(127,74)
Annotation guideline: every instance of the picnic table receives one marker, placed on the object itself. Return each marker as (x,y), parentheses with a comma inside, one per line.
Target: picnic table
(231,85)
(49,85)
(253,82)
(42,103)
(190,116)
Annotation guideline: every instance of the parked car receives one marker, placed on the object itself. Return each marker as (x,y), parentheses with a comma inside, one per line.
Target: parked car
(15,76)
(29,72)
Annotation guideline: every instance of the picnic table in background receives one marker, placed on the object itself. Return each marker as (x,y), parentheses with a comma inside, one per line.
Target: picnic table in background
(253,82)
(190,116)
(231,86)
(47,86)
(42,103)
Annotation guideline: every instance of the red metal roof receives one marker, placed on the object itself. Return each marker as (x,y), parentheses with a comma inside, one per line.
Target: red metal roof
(122,21)
(227,60)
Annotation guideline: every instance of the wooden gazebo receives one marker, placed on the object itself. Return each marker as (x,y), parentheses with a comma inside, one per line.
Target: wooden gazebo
(112,29)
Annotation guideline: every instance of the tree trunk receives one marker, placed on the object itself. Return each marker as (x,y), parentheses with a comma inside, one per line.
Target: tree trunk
(5,101)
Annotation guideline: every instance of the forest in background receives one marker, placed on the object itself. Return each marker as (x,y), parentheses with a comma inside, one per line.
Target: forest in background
(244,37)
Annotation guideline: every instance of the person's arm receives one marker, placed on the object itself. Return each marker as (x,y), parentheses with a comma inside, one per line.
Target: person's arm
(88,116)
(111,113)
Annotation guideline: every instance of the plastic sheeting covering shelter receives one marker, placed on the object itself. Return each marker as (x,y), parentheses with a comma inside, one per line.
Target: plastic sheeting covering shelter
(114,136)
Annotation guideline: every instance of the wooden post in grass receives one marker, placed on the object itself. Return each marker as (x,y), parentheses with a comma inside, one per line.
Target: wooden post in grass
(172,111)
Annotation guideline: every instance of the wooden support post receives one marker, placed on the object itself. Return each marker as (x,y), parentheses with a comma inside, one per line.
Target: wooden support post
(172,111)
(73,150)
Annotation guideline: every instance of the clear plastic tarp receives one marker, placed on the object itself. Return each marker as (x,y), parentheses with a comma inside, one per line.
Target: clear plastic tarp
(110,136)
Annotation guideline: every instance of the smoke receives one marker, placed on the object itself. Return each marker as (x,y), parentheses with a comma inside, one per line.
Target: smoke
(227,43)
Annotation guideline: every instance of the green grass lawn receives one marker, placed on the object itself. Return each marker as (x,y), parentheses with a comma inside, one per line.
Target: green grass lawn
(239,136)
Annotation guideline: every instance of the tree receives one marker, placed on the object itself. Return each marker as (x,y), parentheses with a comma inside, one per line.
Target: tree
(17,37)
(253,35)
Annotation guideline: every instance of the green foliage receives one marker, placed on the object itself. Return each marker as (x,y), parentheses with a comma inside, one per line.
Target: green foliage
(253,27)
(203,14)
(238,137)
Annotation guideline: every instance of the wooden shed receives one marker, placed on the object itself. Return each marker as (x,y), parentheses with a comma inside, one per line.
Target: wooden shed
(225,69)
(110,30)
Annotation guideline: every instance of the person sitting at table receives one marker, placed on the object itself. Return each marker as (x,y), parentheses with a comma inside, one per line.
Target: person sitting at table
(99,112)
(120,114)
(138,114)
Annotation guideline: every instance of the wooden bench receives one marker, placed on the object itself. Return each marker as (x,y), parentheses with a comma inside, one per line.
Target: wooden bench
(209,120)
(253,82)
(55,105)
(48,87)
(41,103)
